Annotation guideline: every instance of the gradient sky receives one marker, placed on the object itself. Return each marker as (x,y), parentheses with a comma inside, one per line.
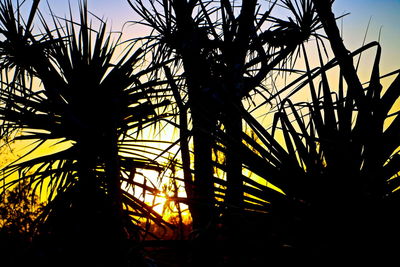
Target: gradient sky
(384,14)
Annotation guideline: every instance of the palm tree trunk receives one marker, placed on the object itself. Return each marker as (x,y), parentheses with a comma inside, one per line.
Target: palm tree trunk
(204,121)
(203,202)
(324,10)
(233,126)
(116,233)
(203,191)
(232,116)
(234,192)
(99,220)
(203,117)
(86,229)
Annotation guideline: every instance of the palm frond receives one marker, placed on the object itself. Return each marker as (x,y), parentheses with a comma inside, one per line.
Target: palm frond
(86,100)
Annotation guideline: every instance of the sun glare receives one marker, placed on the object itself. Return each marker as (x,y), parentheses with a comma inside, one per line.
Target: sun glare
(161,192)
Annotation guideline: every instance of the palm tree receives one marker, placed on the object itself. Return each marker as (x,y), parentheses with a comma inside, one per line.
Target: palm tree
(226,50)
(92,105)
(337,164)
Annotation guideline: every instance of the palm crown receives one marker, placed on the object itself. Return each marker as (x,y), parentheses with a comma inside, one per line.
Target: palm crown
(85,101)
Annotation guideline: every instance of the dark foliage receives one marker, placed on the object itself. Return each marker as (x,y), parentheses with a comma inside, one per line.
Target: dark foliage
(327,169)
(19,210)
(94,109)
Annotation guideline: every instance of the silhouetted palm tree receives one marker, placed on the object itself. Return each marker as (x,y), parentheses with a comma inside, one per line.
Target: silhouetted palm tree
(337,164)
(92,105)
(226,51)
(328,153)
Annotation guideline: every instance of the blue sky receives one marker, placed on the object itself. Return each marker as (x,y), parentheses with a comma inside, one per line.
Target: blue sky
(384,15)
(116,11)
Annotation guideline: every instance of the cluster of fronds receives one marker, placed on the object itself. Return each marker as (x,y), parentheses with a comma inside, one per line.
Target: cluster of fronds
(64,84)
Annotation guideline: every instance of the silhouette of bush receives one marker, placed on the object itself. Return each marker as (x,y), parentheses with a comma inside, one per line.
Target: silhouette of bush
(19,209)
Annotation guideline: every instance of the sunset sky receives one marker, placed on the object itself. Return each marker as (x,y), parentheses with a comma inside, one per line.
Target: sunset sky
(384,14)
(300,128)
